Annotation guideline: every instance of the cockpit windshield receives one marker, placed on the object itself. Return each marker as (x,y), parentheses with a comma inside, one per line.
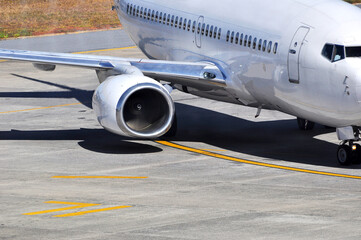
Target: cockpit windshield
(333,52)
(336,53)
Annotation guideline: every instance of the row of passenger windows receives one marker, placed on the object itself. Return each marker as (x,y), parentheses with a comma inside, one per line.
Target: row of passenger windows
(203,29)
(249,41)
(174,21)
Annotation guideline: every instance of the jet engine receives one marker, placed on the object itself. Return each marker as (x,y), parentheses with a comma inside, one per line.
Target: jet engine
(133,105)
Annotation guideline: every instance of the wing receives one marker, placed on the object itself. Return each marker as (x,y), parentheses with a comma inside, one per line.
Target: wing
(193,74)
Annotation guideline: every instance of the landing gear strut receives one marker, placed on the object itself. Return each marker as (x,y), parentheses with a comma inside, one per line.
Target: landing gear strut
(304,124)
(348,152)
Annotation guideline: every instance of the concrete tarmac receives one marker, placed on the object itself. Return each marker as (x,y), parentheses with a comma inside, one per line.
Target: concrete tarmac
(290,188)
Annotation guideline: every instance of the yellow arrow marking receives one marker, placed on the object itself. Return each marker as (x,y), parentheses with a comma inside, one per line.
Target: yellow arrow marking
(91,211)
(78,205)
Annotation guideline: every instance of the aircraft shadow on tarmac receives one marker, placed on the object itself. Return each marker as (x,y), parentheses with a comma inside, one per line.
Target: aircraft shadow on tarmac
(276,140)
(83,96)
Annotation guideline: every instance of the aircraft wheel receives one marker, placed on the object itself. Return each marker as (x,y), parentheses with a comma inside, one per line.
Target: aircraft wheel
(173,130)
(344,157)
(304,124)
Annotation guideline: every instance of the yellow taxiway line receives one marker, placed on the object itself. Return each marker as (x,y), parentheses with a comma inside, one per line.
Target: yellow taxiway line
(120,177)
(234,159)
(105,50)
(40,108)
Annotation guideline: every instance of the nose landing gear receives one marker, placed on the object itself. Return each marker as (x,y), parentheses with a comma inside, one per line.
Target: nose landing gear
(348,152)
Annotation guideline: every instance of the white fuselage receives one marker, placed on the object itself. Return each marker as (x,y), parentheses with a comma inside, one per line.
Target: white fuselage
(279,66)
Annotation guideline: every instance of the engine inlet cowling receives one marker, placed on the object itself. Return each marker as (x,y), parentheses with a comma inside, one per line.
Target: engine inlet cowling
(135,106)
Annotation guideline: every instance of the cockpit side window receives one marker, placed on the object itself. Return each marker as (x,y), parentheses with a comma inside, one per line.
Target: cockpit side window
(353,51)
(327,51)
(333,52)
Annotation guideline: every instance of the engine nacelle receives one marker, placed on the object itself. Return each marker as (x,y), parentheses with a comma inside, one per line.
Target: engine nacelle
(133,105)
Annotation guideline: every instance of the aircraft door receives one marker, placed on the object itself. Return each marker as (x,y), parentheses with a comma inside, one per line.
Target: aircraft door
(294,54)
(199,30)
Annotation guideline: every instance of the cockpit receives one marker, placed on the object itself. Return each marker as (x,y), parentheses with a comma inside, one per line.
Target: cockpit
(334,52)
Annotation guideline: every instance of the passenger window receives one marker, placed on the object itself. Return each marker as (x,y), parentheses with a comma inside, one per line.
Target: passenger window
(275,48)
(245,40)
(241,40)
(141,13)
(189,25)
(227,37)
(269,47)
(172,21)
(215,32)
(211,31)
(168,19)
(207,30)
(145,13)
(260,45)
(194,26)
(249,41)
(176,22)
(203,28)
(237,38)
(160,17)
(264,45)
(153,15)
(156,16)
(199,28)
(232,37)
(180,22)
(149,13)
(128,8)
(138,11)
(219,33)
(164,18)
(254,43)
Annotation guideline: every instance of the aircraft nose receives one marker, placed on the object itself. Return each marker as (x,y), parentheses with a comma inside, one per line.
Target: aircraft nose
(357,85)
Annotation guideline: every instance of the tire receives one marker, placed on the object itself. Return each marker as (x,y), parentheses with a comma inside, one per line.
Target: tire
(304,124)
(344,157)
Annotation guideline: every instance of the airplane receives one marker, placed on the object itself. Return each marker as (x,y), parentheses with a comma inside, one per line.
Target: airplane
(300,57)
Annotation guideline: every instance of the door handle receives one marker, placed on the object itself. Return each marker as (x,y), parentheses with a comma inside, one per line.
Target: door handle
(292,51)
